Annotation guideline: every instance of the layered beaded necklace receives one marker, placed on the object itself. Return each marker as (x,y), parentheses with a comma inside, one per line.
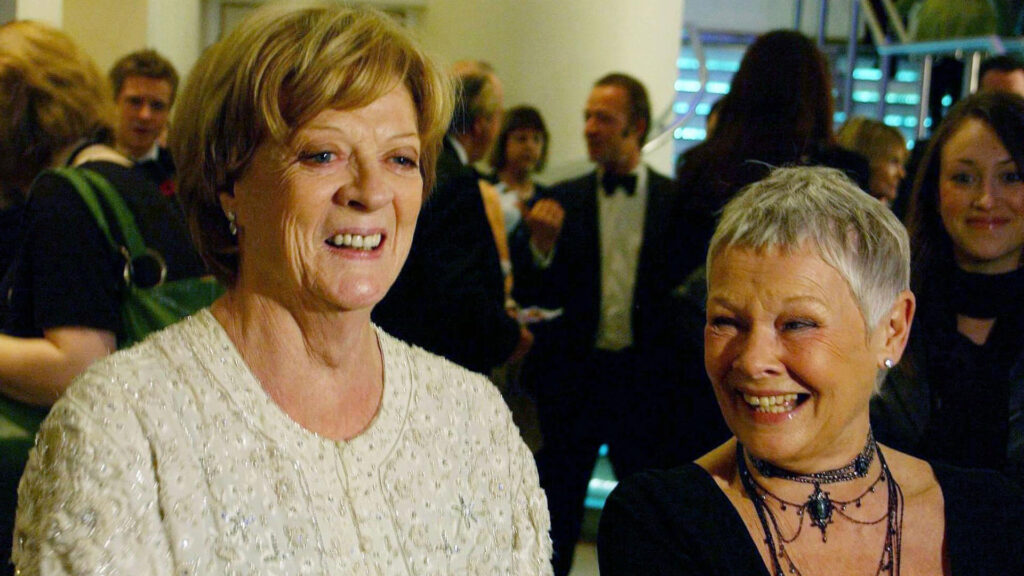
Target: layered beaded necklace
(819,506)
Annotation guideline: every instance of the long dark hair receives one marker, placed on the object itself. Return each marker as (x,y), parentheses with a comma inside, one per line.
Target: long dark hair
(778,111)
(930,243)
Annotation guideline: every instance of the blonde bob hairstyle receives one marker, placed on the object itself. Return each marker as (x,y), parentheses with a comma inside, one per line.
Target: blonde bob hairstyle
(51,96)
(853,233)
(276,71)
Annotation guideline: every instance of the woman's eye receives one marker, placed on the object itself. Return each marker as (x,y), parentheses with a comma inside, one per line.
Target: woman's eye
(1012,178)
(318,157)
(962,178)
(405,161)
(723,322)
(801,324)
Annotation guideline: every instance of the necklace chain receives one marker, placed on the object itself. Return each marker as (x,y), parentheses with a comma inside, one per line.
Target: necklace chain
(888,563)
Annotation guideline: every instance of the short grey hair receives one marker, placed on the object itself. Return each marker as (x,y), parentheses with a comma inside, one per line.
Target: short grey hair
(854,233)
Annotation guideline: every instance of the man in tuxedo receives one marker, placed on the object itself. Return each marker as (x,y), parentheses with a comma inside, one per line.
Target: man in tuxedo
(144,85)
(600,248)
(450,297)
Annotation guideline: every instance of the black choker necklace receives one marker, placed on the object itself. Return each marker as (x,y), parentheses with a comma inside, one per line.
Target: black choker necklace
(819,505)
(819,508)
(858,468)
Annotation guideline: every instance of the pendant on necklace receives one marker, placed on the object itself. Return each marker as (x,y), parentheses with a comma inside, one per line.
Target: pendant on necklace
(819,507)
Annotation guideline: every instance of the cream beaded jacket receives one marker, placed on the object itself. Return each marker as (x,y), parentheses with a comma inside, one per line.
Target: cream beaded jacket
(169,458)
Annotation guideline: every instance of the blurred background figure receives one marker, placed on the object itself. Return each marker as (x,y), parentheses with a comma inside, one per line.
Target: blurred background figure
(519,152)
(1003,73)
(64,287)
(600,247)
(885,149)
(959,395)
(778,112)
(280,431)
(145,84)
(450,298)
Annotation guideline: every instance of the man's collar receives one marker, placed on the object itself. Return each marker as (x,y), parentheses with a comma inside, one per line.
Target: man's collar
(459,150)
(153,154)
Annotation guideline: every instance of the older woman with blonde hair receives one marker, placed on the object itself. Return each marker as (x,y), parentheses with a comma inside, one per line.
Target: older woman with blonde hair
(280,431)
(808,307)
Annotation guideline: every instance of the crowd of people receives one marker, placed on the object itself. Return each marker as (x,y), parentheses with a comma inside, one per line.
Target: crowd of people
(770,355)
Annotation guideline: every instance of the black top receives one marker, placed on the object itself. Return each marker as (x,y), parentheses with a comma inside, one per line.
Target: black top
(66,273)
(160,171)
(951,400)
(679,522)
(450,296)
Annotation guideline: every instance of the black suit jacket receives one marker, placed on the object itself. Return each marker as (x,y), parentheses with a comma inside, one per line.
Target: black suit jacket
(573,281)
(449,298)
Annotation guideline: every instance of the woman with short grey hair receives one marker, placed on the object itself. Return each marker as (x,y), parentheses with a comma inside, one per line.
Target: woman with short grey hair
(808,307)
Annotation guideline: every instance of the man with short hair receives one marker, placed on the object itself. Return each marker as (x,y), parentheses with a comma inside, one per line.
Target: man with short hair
(144,85)
(602,249)
(1003,73)
(450,297)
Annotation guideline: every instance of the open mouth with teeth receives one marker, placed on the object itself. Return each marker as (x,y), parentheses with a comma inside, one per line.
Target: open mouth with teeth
(355,241)
(778,404)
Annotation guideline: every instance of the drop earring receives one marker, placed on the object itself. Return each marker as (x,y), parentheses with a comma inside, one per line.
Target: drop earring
(232,227)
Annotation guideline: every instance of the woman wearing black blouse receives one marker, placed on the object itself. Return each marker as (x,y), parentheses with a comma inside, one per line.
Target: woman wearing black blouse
(959,396)
(808,308)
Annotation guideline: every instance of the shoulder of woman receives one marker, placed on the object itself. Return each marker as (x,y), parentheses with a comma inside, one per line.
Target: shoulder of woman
(99,153)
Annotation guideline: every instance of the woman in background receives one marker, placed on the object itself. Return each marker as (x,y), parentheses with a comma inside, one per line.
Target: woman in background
(279,431)
(520,151)
(885,149)
(778,113)
(959,397)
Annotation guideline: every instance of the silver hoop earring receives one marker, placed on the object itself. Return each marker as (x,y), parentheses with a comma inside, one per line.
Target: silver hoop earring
(232,227)
(889,363)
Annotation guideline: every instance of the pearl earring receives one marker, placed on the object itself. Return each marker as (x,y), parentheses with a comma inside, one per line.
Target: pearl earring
(232,227)
(889,363)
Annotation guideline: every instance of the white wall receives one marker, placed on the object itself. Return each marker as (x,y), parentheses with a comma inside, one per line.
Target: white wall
(549,53)
(175,30)
(49,11)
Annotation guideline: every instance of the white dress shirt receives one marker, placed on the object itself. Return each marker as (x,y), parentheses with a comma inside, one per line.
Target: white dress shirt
(620,220)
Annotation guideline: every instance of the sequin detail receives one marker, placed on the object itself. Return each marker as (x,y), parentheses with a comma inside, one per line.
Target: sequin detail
(169,458)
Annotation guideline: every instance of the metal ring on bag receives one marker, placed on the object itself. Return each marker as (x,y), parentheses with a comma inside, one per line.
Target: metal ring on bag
(150,260)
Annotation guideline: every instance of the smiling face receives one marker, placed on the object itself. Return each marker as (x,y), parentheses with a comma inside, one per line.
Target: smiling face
(327,221)
(887,172)
(787,350)
(981,200)
(143,106)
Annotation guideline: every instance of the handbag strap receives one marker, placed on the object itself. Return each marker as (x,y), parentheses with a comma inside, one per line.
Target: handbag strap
(97,193)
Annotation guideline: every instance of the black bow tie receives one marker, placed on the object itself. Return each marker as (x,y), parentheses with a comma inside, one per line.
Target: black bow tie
(612,182)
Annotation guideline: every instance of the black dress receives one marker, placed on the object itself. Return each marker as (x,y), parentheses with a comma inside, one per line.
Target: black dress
(679,522)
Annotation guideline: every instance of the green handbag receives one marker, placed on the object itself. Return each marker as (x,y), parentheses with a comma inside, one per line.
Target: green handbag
(144,309)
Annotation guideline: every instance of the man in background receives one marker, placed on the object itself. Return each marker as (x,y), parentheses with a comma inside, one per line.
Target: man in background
(144,85)
(602,249)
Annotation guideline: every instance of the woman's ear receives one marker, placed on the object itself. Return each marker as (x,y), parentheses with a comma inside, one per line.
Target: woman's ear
(896,327)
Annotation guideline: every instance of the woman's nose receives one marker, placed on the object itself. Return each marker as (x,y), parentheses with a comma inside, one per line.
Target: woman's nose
(757,355)
(368,190)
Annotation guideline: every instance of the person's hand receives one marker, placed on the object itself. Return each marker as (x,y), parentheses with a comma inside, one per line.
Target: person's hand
(544,221)
(523,347)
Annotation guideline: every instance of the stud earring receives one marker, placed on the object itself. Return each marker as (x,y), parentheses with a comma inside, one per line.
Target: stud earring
(232,227)
(888,363)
